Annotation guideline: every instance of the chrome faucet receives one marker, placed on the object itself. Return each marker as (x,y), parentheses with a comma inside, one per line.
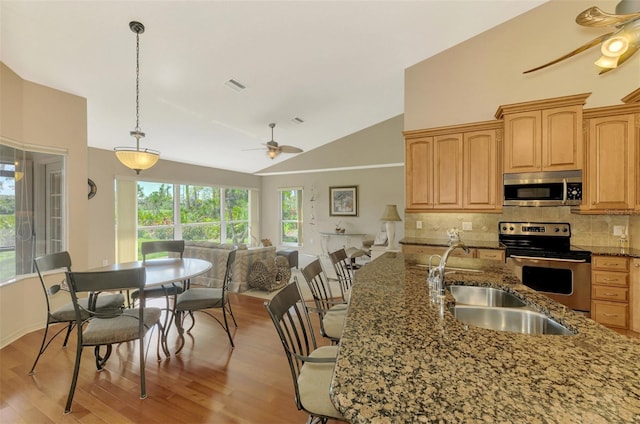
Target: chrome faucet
(436,274)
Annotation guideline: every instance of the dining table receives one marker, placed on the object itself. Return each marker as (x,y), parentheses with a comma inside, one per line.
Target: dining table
(164,272)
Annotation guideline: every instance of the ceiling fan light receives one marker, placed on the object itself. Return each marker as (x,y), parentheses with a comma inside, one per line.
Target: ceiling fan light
(607,62)
(615,46)
(272,153)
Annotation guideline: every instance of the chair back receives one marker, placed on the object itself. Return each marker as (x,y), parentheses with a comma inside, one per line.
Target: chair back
(159,246)
(290,317)
(60,260)
(344,270)
(318,285)
(228,274)
(95,282)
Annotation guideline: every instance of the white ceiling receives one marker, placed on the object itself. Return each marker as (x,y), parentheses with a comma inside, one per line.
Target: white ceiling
(338,65)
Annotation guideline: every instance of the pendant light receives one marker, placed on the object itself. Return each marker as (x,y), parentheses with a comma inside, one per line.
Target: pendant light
(137,159)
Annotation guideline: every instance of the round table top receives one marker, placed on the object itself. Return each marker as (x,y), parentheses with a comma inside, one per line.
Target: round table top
(164,270)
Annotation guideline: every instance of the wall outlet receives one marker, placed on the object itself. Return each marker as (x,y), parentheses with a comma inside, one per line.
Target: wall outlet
(467,226)
(419,225)
(618,230)
(105,262)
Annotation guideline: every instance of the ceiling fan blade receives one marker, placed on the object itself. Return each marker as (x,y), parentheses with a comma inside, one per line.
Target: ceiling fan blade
(623,58)
(290,149)
(580,49)
(595,17)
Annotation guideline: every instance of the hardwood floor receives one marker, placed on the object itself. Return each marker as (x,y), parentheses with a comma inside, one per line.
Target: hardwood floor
(208,382)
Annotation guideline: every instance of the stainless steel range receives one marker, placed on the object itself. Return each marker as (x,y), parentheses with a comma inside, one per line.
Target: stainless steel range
(541,255)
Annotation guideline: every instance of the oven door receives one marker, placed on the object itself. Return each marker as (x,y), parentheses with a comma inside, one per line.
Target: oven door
(567,281)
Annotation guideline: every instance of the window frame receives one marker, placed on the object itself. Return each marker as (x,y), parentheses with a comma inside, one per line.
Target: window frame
(299,221)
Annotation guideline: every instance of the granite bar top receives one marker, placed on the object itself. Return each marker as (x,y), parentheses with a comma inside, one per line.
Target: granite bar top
(612,251)
(480,244)
(405,360)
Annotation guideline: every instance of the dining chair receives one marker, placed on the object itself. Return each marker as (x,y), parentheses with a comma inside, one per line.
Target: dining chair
(331,310)
(344,271)
(199,299)
(161,246)
(64,314)
(311,366)
(106,327)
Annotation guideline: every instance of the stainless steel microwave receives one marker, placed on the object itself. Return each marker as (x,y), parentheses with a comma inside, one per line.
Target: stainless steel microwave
(551,188)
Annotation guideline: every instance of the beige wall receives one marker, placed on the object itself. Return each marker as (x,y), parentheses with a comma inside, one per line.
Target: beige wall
(468,82)
(40,116)
(376,188)
(372,159)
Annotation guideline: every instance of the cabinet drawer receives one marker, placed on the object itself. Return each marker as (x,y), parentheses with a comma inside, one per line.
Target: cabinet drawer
(493,254)
(610,278)
(620,294)
(610,263)
(610,314)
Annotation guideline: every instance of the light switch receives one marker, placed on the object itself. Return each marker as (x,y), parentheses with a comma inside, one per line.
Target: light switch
(618,230)
(419,225)
(467,226)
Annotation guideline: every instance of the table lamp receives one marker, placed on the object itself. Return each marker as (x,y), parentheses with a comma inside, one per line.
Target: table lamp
(390,216)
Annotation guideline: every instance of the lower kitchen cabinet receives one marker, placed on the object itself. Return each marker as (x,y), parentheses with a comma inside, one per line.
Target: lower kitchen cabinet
(436,250)
(634,296)
(491,254)
(610,290)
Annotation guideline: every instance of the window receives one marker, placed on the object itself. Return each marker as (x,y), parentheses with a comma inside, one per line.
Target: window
(32,208)
(171,211)
(291,216)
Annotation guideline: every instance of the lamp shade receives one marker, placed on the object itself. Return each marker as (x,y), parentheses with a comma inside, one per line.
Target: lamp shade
(136,159)
(390,214)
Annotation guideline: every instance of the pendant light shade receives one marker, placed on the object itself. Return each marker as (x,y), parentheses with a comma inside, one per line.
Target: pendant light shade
(136,158)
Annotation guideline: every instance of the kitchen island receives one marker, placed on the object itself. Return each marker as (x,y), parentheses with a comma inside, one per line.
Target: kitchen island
(405,360)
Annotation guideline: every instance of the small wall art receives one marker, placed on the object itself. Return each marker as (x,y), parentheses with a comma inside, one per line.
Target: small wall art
(343,201)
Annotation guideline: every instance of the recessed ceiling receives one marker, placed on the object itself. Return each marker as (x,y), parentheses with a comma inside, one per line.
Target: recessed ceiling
(336,65)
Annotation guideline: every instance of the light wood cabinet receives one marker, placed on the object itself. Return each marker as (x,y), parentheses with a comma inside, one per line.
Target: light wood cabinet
(612,180)
(610,290)
(543,135)
(454,168)
(491,254)
(634,296)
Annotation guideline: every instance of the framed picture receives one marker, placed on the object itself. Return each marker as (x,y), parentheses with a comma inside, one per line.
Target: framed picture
(343,201)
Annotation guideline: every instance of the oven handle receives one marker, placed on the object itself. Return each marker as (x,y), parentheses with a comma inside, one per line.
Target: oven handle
(564,189)
(536,258)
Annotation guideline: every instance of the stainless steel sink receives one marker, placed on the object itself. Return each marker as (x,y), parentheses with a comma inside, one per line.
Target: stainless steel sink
(484,296)
(508,319)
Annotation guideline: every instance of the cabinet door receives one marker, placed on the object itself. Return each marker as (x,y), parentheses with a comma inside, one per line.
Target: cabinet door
(562,141)
(419,173)
(481,173)
(634,296)
(523,139)
(611,167)
(447,172)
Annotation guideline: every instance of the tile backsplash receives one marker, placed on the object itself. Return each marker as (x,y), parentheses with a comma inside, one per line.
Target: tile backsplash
(586,230)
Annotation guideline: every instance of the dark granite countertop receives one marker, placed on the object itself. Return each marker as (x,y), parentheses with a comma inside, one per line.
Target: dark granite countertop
(445,242)
(405,360)
(612,251)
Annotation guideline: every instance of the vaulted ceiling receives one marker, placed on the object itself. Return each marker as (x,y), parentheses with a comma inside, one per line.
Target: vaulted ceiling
(338,66)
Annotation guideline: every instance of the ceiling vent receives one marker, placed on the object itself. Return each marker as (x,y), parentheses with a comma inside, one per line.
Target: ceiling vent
(235,85)
(297,120)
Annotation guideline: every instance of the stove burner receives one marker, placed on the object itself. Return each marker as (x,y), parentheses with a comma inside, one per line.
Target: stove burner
(539,239)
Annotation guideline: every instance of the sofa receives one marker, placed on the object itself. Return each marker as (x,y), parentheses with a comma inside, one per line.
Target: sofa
(217,254)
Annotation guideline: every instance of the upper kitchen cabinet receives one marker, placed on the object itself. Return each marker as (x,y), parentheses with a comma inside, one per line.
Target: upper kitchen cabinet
(543,135)
(613,159)
(454,168)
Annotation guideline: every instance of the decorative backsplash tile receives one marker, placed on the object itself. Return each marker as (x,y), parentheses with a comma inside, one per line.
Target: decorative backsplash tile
(587,230)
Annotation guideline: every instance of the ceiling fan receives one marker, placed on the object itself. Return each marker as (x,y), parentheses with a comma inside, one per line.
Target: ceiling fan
(617,46)
(274,149)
